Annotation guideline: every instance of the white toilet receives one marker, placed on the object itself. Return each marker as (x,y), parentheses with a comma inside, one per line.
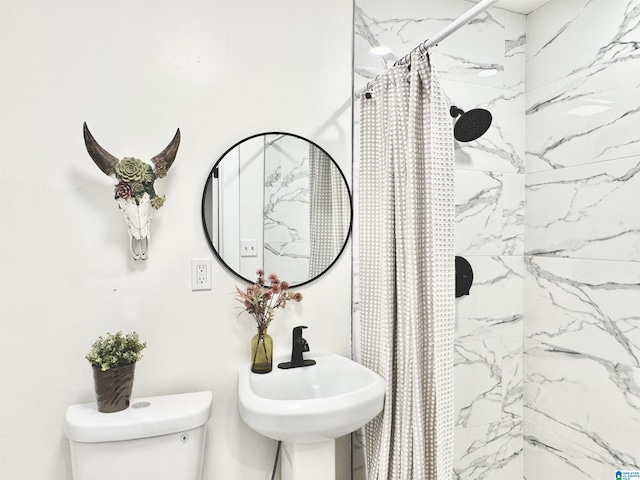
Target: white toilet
(156,438)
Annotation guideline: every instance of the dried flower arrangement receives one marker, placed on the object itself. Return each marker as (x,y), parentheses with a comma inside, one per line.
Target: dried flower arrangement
(261,301)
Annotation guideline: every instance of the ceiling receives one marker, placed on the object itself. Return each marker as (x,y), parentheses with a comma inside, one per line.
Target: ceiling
(521,6)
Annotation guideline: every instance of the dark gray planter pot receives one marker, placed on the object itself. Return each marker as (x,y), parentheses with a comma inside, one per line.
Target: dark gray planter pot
(113,387)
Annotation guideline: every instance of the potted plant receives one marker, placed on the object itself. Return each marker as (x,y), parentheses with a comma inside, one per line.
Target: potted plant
(261,302)
(113,358)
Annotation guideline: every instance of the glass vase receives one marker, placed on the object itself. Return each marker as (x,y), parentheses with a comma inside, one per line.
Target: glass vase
(261,351)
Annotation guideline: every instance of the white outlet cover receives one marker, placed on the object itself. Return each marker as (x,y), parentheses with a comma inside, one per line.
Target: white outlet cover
(202,281)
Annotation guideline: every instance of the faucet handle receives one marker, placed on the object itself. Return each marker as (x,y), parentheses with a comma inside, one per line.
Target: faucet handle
(297,331)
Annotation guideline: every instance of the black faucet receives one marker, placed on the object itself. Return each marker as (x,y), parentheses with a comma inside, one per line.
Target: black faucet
(299,346)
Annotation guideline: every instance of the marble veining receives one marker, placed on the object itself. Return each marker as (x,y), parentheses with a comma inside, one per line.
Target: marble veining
(501,280)
(489,213)
(282,208)
(286,208)
(581,120)
(587,212)
(488,377)
(612,39)
(289,259)
(489,452)
(547,452)
(581,409)
(590,306)
(582,107)
(488,371)
(478,382)
(512,377)
(478,213)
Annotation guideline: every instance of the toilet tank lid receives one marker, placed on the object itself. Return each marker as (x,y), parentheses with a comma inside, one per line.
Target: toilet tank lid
(146,417)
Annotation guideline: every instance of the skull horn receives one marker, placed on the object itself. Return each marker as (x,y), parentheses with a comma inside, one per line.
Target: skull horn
(103,159)
(164,159)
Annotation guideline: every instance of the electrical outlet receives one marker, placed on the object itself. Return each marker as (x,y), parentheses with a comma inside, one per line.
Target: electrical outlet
(200,274)
(249,248)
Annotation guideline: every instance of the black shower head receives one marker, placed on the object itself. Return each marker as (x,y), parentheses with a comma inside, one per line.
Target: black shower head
(472,124)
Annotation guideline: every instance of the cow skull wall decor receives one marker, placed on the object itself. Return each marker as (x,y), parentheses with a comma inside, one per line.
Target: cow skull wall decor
(135,192)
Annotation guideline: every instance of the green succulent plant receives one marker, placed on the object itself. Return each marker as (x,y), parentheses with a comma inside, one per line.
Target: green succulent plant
(116,350)
(136,178)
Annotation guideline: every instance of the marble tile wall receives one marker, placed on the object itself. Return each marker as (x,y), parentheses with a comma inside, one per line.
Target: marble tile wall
(286,208)
(490,192)
(582,241)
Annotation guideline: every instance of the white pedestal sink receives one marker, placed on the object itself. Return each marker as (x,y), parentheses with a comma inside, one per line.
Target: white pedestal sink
(308,408)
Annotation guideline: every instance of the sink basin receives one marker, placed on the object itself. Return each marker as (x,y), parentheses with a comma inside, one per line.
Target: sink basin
(332,398)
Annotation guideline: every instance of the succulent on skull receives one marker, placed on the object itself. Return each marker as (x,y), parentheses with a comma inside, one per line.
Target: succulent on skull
(135,191)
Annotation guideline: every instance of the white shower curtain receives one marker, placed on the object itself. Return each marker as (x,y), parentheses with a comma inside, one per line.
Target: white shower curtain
(407,271)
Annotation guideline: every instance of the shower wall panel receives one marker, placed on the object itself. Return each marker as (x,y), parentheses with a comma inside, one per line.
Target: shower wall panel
(582,276)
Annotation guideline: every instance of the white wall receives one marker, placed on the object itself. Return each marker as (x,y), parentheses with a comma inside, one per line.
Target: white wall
(135,71)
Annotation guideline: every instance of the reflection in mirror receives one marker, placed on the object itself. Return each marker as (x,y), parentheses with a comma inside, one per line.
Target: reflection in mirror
(277,202)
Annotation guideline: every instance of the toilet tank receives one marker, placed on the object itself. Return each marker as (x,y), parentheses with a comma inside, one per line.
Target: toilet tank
(156,438)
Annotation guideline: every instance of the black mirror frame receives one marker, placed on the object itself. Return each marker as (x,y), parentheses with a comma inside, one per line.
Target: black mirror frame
(208,184)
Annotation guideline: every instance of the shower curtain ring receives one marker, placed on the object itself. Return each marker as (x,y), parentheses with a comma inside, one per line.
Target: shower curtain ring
(367,92)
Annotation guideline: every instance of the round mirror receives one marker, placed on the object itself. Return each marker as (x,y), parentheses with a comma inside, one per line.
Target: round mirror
(277,202)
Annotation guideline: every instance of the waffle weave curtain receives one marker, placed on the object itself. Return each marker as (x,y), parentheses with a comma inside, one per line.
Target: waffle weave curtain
(330,211)
(406,224)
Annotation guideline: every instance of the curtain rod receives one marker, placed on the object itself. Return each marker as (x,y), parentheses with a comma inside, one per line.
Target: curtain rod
(441,35)
(449,29)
